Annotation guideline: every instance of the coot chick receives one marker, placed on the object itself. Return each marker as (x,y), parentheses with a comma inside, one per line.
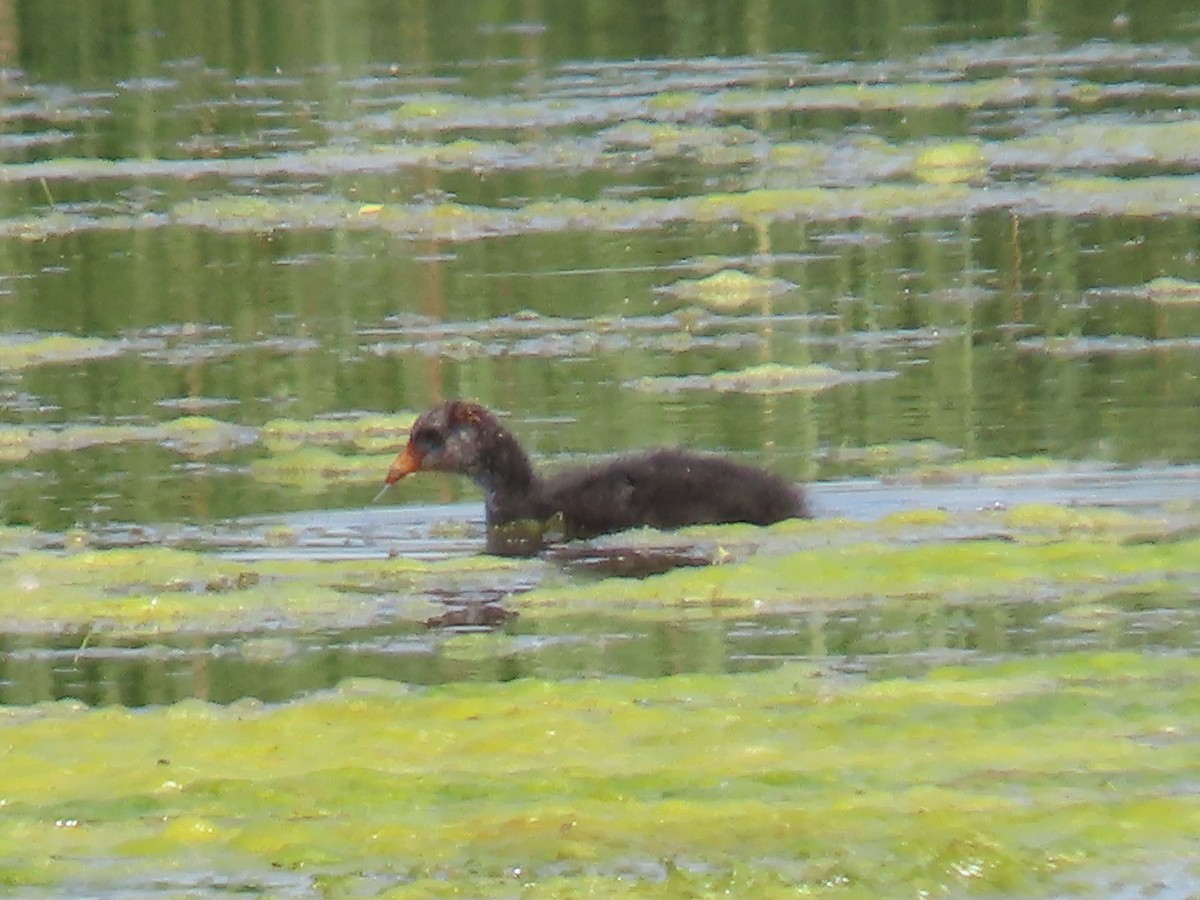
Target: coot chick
(666,488)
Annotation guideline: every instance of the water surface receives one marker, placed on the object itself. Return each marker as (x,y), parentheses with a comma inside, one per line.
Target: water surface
(942,264)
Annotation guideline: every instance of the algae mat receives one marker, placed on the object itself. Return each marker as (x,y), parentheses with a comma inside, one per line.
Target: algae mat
(1021,778)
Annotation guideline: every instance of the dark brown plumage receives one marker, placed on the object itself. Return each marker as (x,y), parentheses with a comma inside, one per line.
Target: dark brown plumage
(665,488)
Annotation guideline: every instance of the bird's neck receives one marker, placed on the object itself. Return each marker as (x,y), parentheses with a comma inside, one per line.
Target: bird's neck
(507,478)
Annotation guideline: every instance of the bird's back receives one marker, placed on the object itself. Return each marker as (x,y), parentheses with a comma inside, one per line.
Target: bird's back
(670,489)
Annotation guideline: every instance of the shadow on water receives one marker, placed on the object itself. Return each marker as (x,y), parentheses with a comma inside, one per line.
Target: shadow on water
(479,633)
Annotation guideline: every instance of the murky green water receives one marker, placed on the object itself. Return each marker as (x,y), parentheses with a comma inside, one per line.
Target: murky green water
(918,257)
(308,245)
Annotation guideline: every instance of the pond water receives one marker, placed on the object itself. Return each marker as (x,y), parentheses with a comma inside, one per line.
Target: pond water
(939,261)
(428,640)
(238,259)
(999,234)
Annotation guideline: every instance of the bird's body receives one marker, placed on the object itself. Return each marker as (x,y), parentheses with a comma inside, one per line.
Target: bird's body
(665,488)
(669,489)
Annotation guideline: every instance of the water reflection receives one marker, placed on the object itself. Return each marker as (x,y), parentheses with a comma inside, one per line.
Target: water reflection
(878,640)
(600,230)
(312,211)
(475,628)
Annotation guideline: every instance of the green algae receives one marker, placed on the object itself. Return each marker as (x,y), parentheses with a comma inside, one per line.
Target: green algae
(1022,554)
(148,590)
(156,590)
(969,780)
(970,469)
(314,468)
(764,378)
(370,433)
(878,458)
(1149,196)
(665,129)
(23,351)
(431,107)
(1167,290)
(970,856)
(194,436)
(951,162)
(1059,522)
(201,435)
(15,443)
(1105,143)
(298,448)
(861,571)
(775,378)
(669,139)
(287,436)
(729,289)
(674,124)
(675,101)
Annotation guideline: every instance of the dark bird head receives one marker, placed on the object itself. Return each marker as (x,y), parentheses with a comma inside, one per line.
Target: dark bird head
(453,437)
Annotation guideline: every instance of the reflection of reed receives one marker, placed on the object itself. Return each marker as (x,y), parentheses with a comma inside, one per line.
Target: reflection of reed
(10,35)
(578,215)
(880,638)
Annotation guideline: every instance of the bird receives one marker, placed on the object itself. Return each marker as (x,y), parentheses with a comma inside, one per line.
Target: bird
(664,488)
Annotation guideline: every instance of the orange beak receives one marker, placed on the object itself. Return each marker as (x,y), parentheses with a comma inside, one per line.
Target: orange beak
(405,464)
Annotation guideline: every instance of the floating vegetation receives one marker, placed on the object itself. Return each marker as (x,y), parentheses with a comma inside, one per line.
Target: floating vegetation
(826,576)
(773,378)
(1059,522)
(1165,290)
(1168,290)
(676,138)
(158,590)
(1076,346)
(923,251)
(370,433)
(202,436)
(933,471)
(149,591)
(608,786)
(885,457)
(729,289)
(767,378)
(313,469)
(19,351)
(15,443)
(188,435)
(1024,551)
(1159,195)
(1101,144)
(530,335)
(951,163)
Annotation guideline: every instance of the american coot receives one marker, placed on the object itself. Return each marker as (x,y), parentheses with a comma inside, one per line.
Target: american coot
(665,488)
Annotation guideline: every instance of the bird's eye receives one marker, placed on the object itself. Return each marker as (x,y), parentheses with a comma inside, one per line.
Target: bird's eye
(429,440)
